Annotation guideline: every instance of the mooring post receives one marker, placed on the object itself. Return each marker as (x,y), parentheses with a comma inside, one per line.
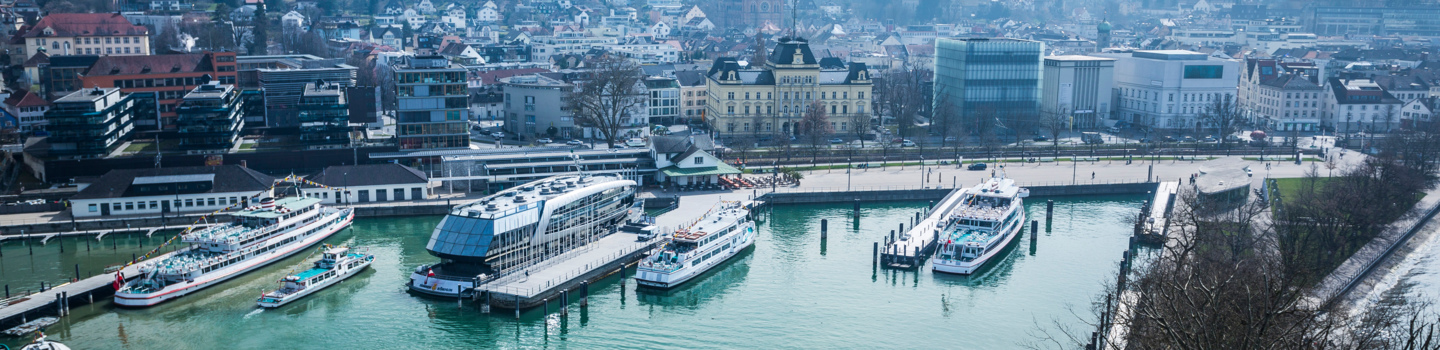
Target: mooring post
(7,291)
(902,228)
(517,306)
(1034,229)
(547,307)
(62,242)
(857,210)
(1049,209)
(77,272)
(65,302)
(824,227)
(892,237)
(874,258)
(87,245)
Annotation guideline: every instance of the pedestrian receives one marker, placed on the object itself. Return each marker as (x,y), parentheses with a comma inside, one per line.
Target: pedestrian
(1092,175)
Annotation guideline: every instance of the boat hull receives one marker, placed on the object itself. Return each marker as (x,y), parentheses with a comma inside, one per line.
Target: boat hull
(281,301)
(969,267)
(440,287)
(176,290)
(655,279)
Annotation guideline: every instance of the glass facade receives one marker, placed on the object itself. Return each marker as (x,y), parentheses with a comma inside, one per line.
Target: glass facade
(991,76)
(210,118)
(433,104)
(324,116)
(90,123)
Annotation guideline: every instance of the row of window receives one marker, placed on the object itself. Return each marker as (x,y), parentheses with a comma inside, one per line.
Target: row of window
(843,109)
(834,95)
(152,205)
(108,50)
(730,127)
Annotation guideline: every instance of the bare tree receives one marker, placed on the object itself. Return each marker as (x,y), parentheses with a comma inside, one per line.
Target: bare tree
(900,95)
(859,126)
(1056,122)
(987,126)
(608,94)
(1223,114)
(815,126)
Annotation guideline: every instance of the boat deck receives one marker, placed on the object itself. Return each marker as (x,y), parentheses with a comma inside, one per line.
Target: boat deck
(83,291)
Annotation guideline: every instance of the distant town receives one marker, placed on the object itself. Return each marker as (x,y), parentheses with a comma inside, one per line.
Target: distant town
(147,115)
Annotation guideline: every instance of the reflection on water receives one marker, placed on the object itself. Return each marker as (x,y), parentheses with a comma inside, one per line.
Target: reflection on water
(708,286)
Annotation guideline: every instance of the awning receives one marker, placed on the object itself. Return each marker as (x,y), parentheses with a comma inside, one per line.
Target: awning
(723,169)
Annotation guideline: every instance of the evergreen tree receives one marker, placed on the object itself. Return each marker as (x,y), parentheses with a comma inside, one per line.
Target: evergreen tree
(260,25)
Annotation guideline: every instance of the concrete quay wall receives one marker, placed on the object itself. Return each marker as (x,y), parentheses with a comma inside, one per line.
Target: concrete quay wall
(939,193)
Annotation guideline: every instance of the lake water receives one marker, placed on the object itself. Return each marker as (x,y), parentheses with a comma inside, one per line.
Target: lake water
(790,291)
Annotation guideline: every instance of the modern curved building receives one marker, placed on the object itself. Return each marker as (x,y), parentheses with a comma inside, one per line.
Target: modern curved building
(522,226)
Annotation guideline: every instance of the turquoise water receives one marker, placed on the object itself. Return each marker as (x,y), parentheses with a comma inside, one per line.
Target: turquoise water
(790,291)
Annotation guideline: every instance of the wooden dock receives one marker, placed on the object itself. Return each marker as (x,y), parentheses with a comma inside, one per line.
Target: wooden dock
(910,249)
(59,299)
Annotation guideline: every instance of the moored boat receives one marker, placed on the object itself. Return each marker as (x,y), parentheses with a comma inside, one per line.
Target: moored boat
(336,264)
(986,220)
(257,237)
(721,233)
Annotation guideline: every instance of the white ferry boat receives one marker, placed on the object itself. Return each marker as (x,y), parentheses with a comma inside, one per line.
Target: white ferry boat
(258,236)
(987,218)
(521,226)
(720,234)
(335,264)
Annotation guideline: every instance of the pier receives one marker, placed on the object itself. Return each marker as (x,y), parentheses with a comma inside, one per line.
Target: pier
(554,278)
(59,299)
(909,250)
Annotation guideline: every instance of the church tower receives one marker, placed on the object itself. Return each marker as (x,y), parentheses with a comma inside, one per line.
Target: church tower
(1102,40)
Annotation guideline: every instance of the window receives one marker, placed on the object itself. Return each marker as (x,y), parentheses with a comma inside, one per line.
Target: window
(744,127)
(190,202)
(730,127)
(93,207)
(699,160)
(730,109)
(154,204)
(212,202)
(732,95)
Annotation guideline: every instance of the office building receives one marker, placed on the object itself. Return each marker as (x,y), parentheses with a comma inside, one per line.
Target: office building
(1078,88)
(535,105)
(433,104)
(209,118)
(664,100)
(1171,89)
(89,123)
(324,116)
(1360,105)
(284,78)
(1376,21)
(990,77)
(170,77)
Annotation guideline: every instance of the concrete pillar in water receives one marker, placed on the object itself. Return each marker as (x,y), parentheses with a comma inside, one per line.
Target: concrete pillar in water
(65,302)
(902,227)
(7,291)
(874,258)
(1034,229)
(546,308)
(857,210)
(1049,209)
(824,226)
(892,237)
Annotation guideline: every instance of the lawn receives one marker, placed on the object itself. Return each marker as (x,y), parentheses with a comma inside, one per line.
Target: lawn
(140,147)
(1292,187)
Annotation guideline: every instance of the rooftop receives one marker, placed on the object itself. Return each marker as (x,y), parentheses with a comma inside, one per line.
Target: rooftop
(85,24)
(87,95)
(531,195)
(226,178)
(369,175)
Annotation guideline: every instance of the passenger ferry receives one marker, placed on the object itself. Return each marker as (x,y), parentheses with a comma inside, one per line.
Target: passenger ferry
(522,226)
(258,236)
(336,264)
(721,233)
(987,218)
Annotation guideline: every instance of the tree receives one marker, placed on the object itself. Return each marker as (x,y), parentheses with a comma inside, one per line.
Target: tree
(945,118)
(859,126)
(1224,114)
(815,126)
(758,60)
(607,94)
(900,94)
(1056,122)
(259,31)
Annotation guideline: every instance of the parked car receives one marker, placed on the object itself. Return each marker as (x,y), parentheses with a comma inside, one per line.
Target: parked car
(837,140)
(976,166)
(1208,138)
(575,143)
(951,139)
(1042,138)
(543,141)
(498,135)
(1113,130)
(907,143)
(1189,139)
(635,142)
(1168,139)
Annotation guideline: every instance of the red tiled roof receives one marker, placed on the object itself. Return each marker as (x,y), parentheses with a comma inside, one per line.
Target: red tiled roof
(27,99)
(494,76)
(155,64)
(87,24)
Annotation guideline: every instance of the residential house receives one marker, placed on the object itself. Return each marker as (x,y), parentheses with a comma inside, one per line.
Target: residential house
(87,34)
(176,190)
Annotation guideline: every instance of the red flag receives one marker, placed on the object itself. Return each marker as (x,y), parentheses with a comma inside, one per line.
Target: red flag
(119,280)
(429,273)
